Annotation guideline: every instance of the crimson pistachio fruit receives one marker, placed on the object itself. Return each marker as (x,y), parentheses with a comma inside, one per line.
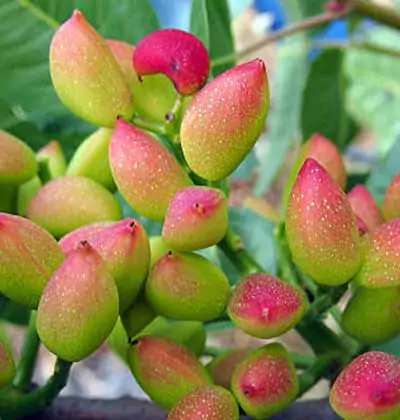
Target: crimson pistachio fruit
(29,256)
(146,173)
(86,75)
(225,119)
(197,218)
(321,227)
(178,55)
(368,388)
(79,306)
(264,306)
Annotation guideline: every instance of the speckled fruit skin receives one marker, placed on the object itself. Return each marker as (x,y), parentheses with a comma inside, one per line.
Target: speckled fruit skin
(368,388)
(197,218)
(225,119)
(146,173)
(17,161)
(264,306)
(372,316)
(208,402)
(70,202)
(321,227)
(158,248)
(221,367)
(179,285)
(326,154)
(91,159)
(154,96)
(165,370)
(365,207)
(381,257)
(178,55)
(79,306)
(265,382)
(29,256)
(391,201)
(86,75)
(7,363)
(53,154)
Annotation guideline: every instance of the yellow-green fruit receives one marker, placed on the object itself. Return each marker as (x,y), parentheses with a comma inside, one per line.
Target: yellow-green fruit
(26,192)
(53,156)
(69,202)
(28,258)
(137,317)
(372,316)
(165,370)
(17,160)
(179,286)
(7,363)
(118,341)
(158,248)
(79,306)
(91,159)
(86,75)
(208,402)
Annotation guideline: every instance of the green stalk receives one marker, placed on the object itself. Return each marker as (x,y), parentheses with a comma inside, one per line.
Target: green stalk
(314,373)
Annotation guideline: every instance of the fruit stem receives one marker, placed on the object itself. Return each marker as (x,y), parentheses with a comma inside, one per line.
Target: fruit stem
(215,351)
(302,361)
(30,348)
(149,125)
(14,404)
(314,373)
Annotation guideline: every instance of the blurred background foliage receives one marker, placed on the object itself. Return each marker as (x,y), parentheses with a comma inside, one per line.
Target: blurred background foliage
(321,81)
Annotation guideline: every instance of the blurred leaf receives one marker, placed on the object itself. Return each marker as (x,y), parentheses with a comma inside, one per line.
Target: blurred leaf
(384,172)
(311,8)
(392,347)
(324,100)
(13,312)
(210,21)
(257,234)
(286,94)
(374,95)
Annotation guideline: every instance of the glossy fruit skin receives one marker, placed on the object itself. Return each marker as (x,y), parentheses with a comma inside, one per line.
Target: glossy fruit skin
(372,316)
(29,256)
(146,173)
(264,306)
(208,402)
(197,218)
(79,306)
(53,155)
(368,388)
(165,370)
(17,161)
(178,55)
(225,119)
(265,382)
(25,194)
(158,248)
(365,207)
(381,263)
(391,200)
(70,202)
(321,227)
(86,75)
(178,287)
(91,159)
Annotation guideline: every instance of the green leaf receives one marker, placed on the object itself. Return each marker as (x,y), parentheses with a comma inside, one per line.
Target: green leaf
(210,21)
(324,100)
(384,172)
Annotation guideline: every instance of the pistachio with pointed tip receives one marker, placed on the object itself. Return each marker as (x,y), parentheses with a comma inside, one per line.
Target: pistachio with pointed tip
(165,370)
(17,160)
(146,173)
(86,75)
(69,202)
(54,157)
(79,306)
(91,159)
(365,207)
(368,388)
(264,306)
(321,228)
(197,218)
(225,119)
(326,154)
(207,402)
(381,262)
(265,382)
(178,55)
(391,201)
(29,256)
(7,363)
(380,322)
(178,287)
